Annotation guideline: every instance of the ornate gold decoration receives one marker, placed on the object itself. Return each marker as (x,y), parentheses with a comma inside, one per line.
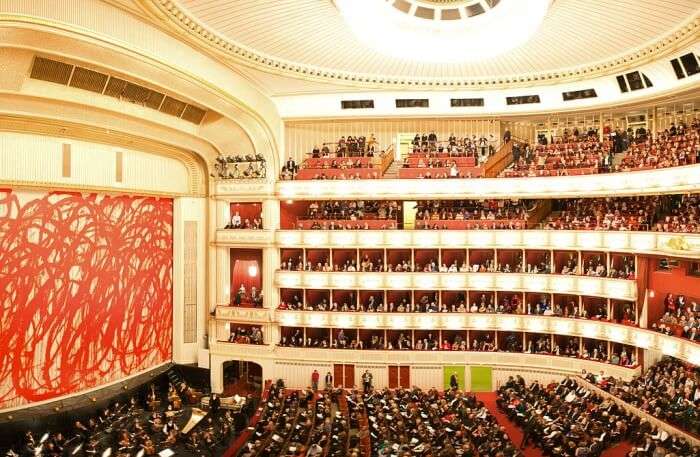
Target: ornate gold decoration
(678,243)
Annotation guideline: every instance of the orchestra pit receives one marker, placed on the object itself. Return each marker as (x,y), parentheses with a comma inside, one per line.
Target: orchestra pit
(350,228)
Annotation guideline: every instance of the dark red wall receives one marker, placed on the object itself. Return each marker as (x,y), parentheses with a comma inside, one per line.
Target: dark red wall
(676,281)
(248,211)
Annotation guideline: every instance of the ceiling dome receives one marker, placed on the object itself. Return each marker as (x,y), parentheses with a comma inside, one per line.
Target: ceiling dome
(408,30)
(312,39)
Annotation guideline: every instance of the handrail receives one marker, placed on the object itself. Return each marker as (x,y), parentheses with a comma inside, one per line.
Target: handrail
(541,211)
(500,160)
(384,159)
(638,412)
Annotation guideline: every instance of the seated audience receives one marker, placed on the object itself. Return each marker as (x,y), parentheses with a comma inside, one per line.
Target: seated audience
(563,419)
(668,390)
(240,167)
(414,422)
(675,146)
(610,213)
(350,215)
(465,214)
(566,156)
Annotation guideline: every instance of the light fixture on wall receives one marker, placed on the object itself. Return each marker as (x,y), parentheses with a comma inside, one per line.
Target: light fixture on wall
(253,271)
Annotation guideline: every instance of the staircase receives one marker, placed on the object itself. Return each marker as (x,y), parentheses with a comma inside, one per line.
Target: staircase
(393,171)
(618,158)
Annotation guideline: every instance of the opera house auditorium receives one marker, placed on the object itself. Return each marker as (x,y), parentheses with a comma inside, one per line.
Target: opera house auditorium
(350,228)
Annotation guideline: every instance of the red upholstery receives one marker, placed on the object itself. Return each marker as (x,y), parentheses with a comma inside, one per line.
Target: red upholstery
(335,173)
(412,161)
(373,224)
(472,224)
(412,173)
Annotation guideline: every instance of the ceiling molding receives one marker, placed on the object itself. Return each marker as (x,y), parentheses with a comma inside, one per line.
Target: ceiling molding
(202,35)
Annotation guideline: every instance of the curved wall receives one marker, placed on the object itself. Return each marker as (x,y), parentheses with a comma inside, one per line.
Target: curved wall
(295,365)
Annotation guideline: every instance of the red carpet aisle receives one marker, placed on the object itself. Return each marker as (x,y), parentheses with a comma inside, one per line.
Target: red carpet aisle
(245,434)
(619,450)
(514,432)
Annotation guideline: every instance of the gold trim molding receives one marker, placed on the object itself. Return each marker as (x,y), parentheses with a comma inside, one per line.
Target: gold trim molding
(180,18)
(196,172)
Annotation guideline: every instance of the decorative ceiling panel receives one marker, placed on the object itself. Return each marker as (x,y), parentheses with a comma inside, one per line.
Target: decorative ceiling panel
(310,38)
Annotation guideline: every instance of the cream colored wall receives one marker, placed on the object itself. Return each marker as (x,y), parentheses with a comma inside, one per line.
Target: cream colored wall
(192,210)
(302,136)
(37,160)
(295,365)
(98,34)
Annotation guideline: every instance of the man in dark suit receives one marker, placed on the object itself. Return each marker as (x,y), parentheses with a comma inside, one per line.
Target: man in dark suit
(454,383)
(214,404)
(367,381)
(528,430)
(291,164)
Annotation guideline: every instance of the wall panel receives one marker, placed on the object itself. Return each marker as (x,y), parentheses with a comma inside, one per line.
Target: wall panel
(37,160)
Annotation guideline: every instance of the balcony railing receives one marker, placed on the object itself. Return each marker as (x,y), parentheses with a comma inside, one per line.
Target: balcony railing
(683,179)
(655,243)
(245,238)
(602,330)
(620,289)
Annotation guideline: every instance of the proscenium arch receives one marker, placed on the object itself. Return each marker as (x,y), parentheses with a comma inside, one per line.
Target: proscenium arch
(237,122)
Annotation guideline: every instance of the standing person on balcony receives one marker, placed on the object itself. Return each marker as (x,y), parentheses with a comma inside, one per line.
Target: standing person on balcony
(314,380)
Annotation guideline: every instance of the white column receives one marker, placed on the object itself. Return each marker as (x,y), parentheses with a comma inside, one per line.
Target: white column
(271,214)
(189,212)
(271,262)
(223,276)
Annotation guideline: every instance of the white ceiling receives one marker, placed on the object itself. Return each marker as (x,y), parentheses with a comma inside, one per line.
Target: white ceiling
(312,33)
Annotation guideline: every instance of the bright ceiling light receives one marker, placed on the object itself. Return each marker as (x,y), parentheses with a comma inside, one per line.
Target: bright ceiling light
(394,33)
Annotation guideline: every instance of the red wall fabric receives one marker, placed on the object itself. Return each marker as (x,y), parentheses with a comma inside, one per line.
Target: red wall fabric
(85,291)
(241,259)
(248,211)
(675,280)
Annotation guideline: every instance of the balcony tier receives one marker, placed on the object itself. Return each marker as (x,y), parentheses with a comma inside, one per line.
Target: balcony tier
(620,289)
(602,330)
(654,243)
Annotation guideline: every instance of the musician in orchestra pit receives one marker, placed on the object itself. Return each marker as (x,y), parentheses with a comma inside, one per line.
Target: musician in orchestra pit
(124,441)
(170,426)
(81,431)
(214,404)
